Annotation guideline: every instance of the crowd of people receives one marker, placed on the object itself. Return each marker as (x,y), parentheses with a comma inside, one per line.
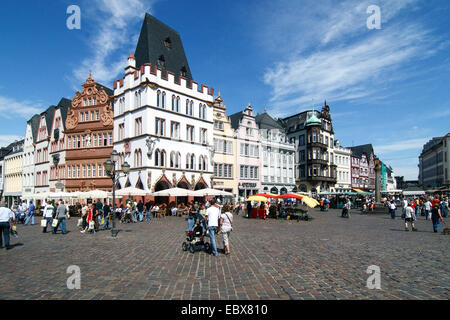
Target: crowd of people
(432,208)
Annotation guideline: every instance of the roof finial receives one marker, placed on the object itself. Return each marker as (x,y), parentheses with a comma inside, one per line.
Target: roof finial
(265,109)
(90,75)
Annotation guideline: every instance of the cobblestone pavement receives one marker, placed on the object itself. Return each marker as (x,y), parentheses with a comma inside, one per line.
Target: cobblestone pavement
(325,258)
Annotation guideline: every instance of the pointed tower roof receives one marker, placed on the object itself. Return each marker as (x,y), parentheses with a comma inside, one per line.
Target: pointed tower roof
(161,46)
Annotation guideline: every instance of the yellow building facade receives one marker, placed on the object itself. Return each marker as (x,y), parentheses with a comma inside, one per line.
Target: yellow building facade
(13,173)
(224,149)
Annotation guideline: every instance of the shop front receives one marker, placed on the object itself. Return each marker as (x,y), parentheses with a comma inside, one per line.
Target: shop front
(247,189)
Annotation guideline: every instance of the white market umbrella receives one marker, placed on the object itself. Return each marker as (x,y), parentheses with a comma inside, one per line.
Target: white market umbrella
(212,192)
(174,192)
(132,191)
(93,194)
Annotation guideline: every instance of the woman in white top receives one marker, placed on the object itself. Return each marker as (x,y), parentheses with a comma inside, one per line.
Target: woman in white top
(226,226)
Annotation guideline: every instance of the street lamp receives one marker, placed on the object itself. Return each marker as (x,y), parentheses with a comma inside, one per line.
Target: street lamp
(110,168)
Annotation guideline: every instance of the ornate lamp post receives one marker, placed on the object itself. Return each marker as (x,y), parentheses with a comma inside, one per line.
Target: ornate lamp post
(110,168)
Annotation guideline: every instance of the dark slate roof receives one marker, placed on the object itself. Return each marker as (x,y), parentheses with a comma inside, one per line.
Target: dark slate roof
(64,105)
(431,144)
(34,122)
(49,117)
(358,151)
(151,46)
(14,144)
(265,121)
(108,91)
(4,151)
(235,118)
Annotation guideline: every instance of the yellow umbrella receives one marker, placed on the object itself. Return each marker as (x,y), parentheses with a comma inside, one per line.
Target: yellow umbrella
(257,198)
(310,202)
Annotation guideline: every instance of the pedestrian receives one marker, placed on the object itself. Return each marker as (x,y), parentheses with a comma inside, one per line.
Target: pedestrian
(133,211)
(226,226)
(6,218)
(140,208)
(392,208)
(212,215)
(409,217)
(48,216)
(427,205)
(98,214)
(436,217)
(190,218)
(444,207)
(249,209)
(148,206)
(31,213)
(155,210)
(61,212)
(106,216)
(266,211)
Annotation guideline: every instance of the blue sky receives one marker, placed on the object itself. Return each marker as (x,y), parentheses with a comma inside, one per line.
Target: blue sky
(388,87)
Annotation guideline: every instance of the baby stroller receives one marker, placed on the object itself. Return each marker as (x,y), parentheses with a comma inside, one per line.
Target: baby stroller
(21,217)
(126,217)
(195,240)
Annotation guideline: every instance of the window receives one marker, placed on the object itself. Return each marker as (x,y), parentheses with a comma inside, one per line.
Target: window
(177,106)
(173,102)
(100,170)
(81,116)
(121,131)
(190,133)
(158,99)
(168,43)
(110,138)
(92,116)
(161,61)
(163,100)
(84,171)
(174,130)
(203,136)
(191,108)
(93,170)
(88,170)
(160,126)
(138,126)
(187,106)
(157,157)
(218,125)
(137,99)
(105,139)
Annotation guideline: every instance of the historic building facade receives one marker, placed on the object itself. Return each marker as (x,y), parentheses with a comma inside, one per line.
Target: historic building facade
(28,160)
(13,173)
(89,139)
(343,175)
(248,152)
(434,163)
(363,168)
(313,135)
(278,155)
(224,149)
(163,120)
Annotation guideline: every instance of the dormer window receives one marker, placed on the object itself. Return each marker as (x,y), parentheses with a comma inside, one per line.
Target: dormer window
(168,43)
(183,71)
(161,61)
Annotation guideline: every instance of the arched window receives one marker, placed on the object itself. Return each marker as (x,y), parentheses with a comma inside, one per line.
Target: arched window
(191,108)
(192,161)
(178,163)
(188,159)
(200,110)
(163,158)
(158,98)
(187,106)
(173,102)
(205,161)
(163,100)
(177,109)
(172,159)
(156,158)
(200,163)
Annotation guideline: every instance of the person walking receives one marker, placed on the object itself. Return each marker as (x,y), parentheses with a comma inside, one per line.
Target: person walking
(212,216)
(61,212)
(427,206)
(409,217)
(31,213)
(436,217)
(140,208)
(6,218)
(106,216)
(148,206)
(48,216)
(392,208)
(226,222)
(444,207)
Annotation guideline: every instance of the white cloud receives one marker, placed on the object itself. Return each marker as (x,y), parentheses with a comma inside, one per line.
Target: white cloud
(5,139)
(111,44)
(401,145)
(338,58)
(11,109)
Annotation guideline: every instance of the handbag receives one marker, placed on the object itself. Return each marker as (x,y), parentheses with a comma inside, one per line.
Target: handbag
(103,220)
(231,224)
(14,231)
(44,223)
(55,223)
(91,225)
(80,222)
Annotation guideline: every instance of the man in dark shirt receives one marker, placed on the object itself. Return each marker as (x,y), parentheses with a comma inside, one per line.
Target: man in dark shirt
(140,208)
(148,206)
(107,216)
(98,214)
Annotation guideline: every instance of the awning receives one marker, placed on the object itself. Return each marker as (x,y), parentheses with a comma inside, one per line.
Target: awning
(358,190)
